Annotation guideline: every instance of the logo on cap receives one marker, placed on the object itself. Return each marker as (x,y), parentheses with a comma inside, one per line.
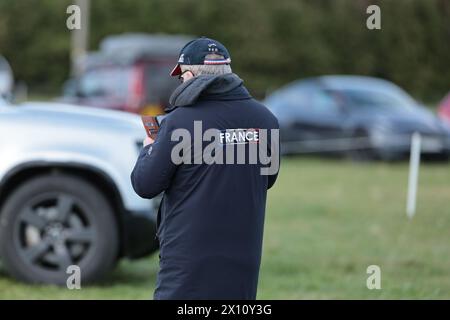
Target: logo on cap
(212,47)
(181,59)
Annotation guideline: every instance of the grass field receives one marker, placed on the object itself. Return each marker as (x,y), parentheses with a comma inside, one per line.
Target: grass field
(327,221)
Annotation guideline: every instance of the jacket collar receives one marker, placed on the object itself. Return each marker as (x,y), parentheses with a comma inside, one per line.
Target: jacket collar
(207,87)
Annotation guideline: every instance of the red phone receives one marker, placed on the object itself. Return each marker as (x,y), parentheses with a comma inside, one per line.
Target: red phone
(152,124)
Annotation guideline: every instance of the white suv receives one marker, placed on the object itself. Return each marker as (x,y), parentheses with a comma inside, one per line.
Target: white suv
(65,191)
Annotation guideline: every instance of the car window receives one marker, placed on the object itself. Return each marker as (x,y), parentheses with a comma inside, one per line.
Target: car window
(310,99)
(112,82)
(288,102)
(375,99)
(297,99)
(159,84)
(303,99)
(323,102)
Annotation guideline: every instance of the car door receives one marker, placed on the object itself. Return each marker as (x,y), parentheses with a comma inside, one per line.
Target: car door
(319,120)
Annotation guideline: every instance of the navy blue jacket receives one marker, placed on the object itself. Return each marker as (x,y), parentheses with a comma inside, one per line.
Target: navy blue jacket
(212,215)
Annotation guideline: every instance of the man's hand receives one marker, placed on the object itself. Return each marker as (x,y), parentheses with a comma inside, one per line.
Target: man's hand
(147,141)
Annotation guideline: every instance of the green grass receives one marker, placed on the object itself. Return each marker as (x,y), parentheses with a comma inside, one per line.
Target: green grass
(326,222)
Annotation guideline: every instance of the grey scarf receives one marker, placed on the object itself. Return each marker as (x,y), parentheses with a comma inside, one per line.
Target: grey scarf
(188,92)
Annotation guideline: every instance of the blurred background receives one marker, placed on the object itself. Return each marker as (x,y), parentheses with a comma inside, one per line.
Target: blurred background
(348,100)
(273,42)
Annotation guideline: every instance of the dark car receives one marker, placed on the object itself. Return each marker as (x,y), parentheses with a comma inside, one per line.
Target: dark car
(363,117)
(130,73)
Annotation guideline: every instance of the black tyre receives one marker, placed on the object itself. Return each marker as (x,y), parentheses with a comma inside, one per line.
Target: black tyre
(53,221)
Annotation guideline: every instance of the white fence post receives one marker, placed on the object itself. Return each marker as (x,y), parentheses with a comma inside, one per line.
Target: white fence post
(413,174)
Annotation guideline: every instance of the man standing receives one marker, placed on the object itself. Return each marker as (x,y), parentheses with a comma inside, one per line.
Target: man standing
(211,219)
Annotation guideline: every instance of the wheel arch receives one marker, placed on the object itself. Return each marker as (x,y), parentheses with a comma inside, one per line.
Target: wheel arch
(98,178)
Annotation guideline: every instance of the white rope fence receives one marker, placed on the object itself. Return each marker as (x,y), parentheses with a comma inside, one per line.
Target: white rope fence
(352,143)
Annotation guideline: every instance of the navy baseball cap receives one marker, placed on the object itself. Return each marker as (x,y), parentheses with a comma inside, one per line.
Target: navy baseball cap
(195,51)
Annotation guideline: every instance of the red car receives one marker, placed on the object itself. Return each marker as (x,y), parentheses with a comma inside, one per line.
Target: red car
(444,108)
(130,73)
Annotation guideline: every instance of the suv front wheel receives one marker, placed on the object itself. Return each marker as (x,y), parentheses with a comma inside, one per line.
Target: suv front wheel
(54,221)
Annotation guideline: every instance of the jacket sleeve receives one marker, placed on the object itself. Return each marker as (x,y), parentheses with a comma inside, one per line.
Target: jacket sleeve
(271,179)
(154,168)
